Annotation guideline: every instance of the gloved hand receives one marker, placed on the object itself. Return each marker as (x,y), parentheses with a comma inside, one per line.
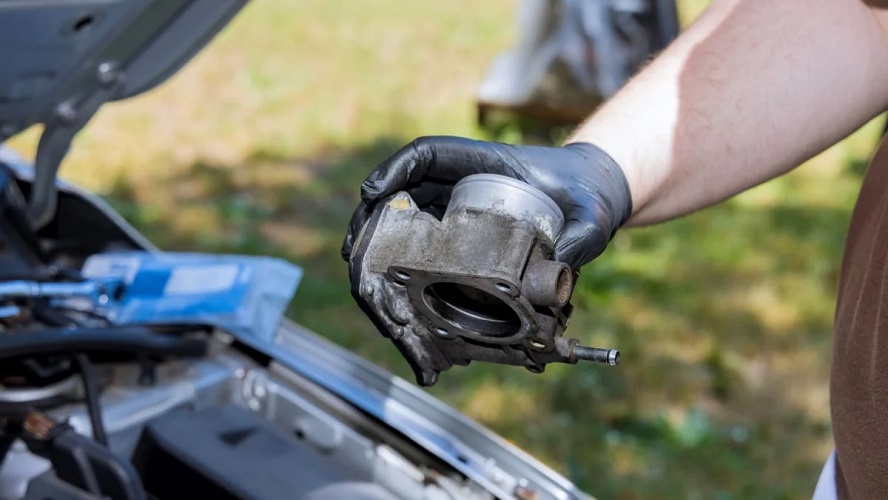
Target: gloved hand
(583,180)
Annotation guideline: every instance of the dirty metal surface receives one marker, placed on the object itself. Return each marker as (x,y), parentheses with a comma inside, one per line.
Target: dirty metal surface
(477,285)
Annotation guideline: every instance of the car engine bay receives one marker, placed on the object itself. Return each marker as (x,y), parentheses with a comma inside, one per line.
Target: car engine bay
(131,373)
(93,409)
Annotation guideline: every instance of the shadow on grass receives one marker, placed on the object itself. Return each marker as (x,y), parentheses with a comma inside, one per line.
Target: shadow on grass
(723,319)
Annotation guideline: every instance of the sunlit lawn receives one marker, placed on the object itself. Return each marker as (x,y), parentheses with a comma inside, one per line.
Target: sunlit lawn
(723,318)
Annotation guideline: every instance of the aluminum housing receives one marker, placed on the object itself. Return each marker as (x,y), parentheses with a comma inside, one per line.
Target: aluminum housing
(479,284)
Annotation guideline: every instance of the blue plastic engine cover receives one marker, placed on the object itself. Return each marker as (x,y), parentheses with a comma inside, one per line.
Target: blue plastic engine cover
(243,294)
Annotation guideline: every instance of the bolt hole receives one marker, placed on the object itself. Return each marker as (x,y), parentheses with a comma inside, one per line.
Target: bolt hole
(401,275)
(83,24)
(504,287)
(442,332)
(299,433)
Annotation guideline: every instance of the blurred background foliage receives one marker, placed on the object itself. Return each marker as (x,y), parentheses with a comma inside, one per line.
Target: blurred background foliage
(723,318)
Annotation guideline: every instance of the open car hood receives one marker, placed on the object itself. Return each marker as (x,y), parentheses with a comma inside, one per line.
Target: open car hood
(63,59)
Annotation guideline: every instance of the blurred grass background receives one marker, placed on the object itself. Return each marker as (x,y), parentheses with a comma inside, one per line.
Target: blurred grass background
(723,318)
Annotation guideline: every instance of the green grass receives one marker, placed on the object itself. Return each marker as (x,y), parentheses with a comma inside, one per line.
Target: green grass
(723,318)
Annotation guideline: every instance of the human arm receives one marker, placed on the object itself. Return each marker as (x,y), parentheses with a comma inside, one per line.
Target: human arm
(749,91)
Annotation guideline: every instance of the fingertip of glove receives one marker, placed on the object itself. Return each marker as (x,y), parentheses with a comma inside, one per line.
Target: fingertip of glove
(346,248)
(355,225)
(579,243)
(576,255)
(370,191)
(568,256)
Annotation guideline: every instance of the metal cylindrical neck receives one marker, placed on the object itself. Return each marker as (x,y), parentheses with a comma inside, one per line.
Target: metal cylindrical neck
(508,196)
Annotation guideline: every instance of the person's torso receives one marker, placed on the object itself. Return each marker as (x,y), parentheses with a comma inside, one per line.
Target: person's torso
(859,376)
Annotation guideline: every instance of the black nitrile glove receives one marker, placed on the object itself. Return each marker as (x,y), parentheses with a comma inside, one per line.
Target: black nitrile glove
(583,180)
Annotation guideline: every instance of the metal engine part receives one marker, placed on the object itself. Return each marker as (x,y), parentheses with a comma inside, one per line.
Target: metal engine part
(479,284)
(333,433)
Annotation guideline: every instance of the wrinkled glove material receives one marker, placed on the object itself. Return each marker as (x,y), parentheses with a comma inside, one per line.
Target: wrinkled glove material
(583,180)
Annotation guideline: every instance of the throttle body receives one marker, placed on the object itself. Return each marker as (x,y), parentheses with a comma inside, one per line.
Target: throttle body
(478,284)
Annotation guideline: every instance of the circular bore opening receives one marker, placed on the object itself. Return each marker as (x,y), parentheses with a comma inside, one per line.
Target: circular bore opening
(564,286)
(472,309)
(401,275)
(504,287)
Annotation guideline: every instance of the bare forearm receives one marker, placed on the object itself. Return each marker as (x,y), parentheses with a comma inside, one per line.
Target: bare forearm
(752,89)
